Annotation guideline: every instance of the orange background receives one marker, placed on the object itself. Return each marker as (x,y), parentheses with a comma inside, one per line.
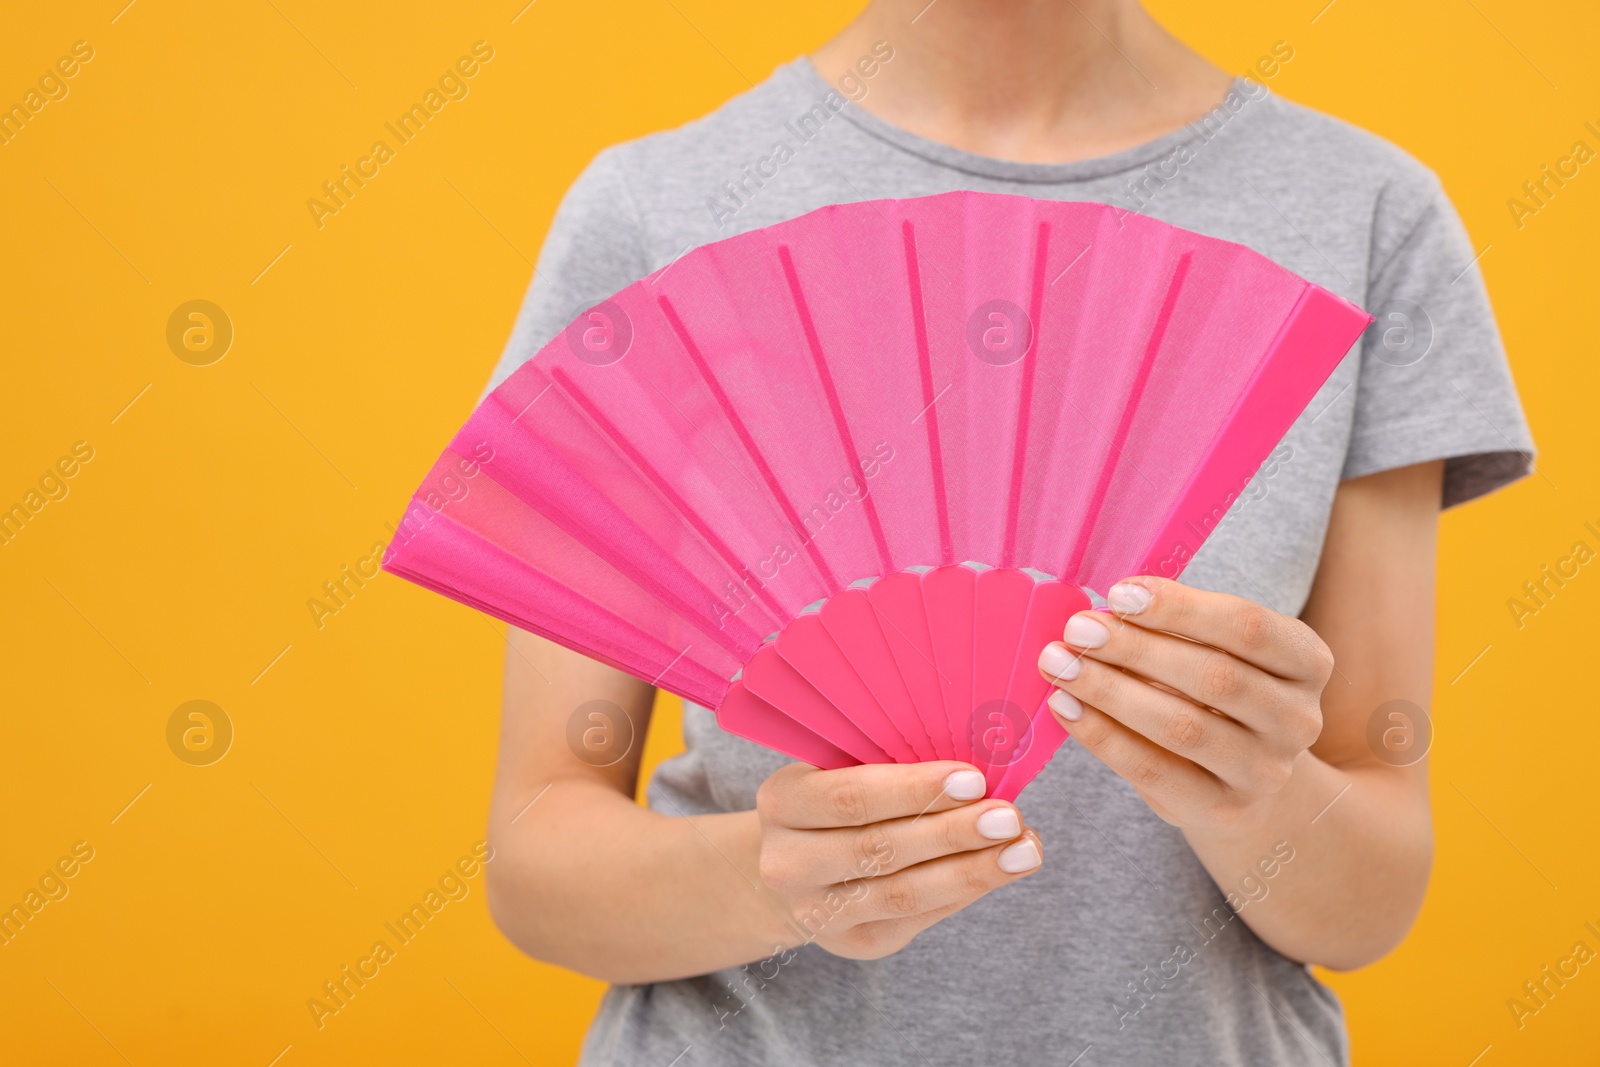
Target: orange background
(179,564)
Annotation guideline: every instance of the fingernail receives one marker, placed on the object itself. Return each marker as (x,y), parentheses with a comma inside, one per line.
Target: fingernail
(1128,599)
(965,785)
(1085,632)
(999,824)
(1022,856)
(1065,705)
(1058,663)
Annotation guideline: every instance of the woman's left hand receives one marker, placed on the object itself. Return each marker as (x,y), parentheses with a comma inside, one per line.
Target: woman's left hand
(1203,702)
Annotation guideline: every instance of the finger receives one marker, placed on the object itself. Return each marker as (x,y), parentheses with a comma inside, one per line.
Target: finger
(886,847)
(884,937)
(1175,783)
(1258,635)
(1172,721)
(802,797)
(949,881)
(1209,676)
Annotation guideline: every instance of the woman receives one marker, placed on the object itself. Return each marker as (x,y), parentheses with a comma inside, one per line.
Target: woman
(1233,806)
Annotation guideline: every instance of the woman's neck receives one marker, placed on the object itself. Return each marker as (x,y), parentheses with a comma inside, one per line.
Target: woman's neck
(1032,80)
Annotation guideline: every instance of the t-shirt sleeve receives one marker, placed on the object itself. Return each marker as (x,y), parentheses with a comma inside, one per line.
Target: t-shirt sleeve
(595,247)
(1434,382)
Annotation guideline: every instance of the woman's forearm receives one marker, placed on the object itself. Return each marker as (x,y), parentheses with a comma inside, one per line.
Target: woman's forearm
(589,880)
(1359,850)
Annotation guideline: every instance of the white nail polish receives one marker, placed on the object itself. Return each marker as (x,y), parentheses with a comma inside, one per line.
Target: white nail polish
(1066,705)
(1085,631)
(965,785)
(1126,599)
(1058,663)
(1022,856)
(999,824)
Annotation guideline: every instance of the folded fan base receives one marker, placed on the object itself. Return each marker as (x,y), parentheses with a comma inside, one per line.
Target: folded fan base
(922,664)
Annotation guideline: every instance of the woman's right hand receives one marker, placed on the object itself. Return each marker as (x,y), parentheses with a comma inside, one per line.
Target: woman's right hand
(866,858)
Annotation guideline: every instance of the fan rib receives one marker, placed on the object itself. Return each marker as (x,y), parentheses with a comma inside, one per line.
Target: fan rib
(775,680)
(556,490)
(748,716)
(814,342)
(919,326)
(1120,438)
(808,646)
(625,646)
(1314,337)
(688,514)
(1030,360)
(746,440)
(857,630)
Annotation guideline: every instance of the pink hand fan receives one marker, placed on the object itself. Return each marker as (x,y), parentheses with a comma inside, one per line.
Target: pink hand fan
(841,479)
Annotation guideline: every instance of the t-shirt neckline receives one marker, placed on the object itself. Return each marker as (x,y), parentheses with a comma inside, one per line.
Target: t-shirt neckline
(815,85)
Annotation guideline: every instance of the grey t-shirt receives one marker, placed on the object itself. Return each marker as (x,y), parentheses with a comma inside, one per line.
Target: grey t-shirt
(1122,948)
